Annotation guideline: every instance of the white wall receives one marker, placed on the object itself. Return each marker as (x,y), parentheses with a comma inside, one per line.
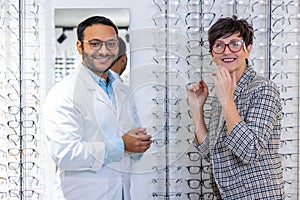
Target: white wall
(140,11)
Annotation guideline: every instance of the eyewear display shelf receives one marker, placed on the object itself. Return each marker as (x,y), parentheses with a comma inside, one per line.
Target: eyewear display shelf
(20,174)
(182,57)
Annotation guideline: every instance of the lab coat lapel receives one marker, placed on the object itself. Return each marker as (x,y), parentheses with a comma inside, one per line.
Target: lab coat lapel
(120,91)
(100,95)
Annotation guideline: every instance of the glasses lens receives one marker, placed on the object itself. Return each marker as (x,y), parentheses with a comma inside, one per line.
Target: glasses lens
(13,124)
(193,156)
(14,193)
(27,110)
(28,123)
(235,46)
(193,195)
(13,165)
(194,44)
(28,165)
(193,183)
(194,169)
(219,47)
(13,152)
(111,44)
(95,45)
(13,110)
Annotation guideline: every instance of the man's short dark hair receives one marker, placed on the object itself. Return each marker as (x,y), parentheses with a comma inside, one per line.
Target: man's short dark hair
(93,20)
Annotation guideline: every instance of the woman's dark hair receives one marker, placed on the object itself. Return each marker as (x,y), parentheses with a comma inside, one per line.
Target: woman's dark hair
(93,20)
(225,27)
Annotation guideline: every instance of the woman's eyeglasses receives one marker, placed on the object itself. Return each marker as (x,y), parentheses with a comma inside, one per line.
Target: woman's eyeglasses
(234,46)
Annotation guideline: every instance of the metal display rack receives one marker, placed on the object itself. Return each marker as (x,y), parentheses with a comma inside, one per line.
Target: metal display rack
(20,130)
(182,52)
(181,57)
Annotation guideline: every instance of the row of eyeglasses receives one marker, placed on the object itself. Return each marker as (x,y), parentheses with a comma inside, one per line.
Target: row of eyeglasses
(276,20)
(20,101)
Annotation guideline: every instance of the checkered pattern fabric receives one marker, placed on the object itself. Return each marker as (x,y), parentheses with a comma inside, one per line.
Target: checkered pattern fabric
(245,162)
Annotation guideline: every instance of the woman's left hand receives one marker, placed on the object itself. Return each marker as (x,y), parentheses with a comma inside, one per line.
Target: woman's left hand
(225,84)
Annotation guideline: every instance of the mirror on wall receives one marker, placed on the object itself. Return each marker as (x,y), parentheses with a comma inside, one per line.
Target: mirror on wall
(66,21)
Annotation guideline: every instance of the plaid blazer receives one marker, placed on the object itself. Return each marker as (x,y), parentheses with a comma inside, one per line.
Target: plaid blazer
(245,162)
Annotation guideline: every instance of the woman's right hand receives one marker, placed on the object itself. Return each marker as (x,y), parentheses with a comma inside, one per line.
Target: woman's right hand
(197,94)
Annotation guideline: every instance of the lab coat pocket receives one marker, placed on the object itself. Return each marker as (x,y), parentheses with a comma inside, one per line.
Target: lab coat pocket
(75,188)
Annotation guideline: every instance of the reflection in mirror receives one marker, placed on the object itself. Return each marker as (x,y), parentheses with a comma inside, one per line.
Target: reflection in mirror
(66,21)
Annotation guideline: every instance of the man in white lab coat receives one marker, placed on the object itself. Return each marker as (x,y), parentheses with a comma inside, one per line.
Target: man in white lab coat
(91,133)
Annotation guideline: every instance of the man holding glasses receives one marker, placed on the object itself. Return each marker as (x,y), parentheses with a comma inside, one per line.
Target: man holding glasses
(90,130)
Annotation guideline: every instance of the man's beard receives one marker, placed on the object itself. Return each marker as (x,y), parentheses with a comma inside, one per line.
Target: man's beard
(88,62)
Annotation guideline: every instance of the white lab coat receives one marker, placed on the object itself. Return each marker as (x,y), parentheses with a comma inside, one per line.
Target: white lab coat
(78,118)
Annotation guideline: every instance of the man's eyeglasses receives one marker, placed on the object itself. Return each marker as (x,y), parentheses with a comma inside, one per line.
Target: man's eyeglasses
(97,44)
(234,46)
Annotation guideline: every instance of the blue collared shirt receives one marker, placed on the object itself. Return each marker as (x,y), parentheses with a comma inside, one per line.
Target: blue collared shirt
(114,149)
(116,75)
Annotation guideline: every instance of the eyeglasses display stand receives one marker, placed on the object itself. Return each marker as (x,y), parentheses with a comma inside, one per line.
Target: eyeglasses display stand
(20,60)
(181,57)
(177,55)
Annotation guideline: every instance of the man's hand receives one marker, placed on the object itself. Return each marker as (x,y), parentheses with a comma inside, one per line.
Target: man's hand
(136,140)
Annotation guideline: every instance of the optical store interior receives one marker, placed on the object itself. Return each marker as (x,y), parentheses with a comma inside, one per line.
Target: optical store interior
(167,49)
